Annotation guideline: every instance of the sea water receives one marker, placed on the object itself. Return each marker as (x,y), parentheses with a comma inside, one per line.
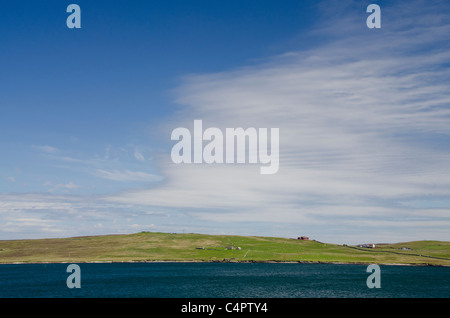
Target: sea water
(222,280)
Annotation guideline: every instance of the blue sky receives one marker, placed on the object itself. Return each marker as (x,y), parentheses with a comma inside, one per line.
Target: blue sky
(86,118)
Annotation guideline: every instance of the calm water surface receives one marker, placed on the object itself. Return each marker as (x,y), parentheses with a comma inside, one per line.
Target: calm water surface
(230,280)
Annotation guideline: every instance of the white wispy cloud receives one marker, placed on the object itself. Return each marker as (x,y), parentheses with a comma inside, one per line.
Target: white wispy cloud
(37,215)
(60,186)
(138,155)
(45,149)
(127,175)
(357,118)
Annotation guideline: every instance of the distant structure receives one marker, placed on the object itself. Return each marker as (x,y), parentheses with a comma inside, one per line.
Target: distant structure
(366,245)
(303,238)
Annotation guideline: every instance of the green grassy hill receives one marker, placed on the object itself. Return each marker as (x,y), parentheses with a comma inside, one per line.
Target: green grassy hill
(151,246)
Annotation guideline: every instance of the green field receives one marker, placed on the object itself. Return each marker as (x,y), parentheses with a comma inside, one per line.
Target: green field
(152,246)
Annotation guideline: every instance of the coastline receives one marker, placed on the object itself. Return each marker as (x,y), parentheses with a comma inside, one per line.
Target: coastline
(228,261)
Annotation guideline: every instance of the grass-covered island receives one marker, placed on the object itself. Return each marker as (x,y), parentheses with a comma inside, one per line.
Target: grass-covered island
(152,246)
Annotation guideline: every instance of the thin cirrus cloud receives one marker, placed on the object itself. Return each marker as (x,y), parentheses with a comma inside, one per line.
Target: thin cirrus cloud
(138,155)
(363,126)
(60,186)
(45,149)
(37,215)
(127,175)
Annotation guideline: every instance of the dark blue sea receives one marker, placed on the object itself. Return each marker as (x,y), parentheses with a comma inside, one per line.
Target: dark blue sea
(222,280)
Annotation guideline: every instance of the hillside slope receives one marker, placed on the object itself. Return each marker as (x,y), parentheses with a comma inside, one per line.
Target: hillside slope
(152,246)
